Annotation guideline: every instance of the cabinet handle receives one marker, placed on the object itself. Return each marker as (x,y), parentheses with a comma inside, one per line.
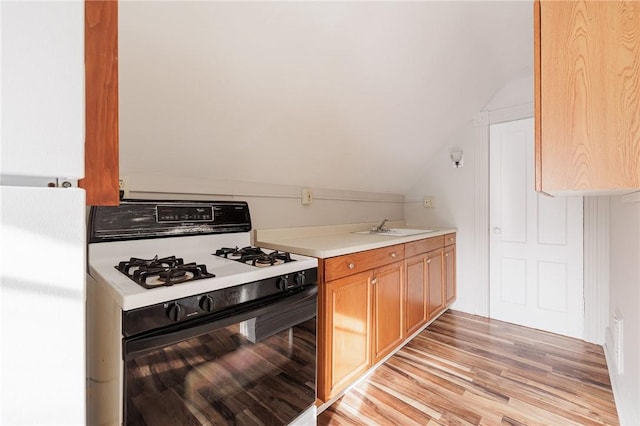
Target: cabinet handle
(450,239)
(374,281)
(352,265)
(428,260)
(446,255)
(393,254)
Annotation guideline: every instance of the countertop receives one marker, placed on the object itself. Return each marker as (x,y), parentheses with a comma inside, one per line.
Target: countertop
(329,241)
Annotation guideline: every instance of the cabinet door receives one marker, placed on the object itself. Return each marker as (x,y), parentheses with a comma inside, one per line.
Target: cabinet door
(387,308)
(450,274)
(348,331)
(587,115)
(415,293)
(435,283)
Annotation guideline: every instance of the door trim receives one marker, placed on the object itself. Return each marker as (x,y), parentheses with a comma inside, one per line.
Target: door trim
(596,232)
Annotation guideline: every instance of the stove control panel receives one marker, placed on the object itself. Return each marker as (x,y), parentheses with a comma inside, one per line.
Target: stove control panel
(172,213)
(213,303)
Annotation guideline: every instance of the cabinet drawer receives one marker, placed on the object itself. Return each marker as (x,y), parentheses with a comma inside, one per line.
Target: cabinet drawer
(423,246)
(449,239)
(342,266)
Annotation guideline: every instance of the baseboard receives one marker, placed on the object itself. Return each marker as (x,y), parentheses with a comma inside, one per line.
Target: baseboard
(609,357)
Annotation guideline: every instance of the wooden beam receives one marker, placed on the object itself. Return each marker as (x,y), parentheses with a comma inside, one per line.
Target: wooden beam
(101,117)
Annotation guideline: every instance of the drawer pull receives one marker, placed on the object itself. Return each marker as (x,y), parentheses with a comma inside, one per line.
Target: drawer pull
(450,239)
(352,265)
(393,254)
(428,260)
(446,255)
(374,281)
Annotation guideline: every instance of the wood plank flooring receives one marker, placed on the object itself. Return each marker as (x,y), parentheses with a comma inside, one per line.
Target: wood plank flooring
(469,370)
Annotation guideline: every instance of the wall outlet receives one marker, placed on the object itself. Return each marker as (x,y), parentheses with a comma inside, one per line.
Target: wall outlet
(429,202)
(123,186)
(307,198)
(618,342)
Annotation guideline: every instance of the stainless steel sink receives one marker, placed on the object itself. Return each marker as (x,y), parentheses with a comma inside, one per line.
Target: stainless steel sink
(398,232)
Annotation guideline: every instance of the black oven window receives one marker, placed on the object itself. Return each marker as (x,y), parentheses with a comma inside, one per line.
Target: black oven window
(224,378)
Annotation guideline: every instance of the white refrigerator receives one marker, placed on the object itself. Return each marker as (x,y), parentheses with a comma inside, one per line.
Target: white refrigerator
(42,228)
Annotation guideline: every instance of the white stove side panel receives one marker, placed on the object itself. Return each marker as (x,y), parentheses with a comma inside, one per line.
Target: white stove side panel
(105,368)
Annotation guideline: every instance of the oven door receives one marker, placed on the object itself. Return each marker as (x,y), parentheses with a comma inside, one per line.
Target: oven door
(256,365)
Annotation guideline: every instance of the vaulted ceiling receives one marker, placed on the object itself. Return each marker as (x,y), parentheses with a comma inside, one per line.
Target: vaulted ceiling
(343,95)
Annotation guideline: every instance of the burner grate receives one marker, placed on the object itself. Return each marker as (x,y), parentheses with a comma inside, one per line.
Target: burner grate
(166,271)
(254,256)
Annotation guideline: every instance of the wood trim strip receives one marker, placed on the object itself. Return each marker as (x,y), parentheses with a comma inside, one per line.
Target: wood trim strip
(537,88)
(481,222)
(101,103)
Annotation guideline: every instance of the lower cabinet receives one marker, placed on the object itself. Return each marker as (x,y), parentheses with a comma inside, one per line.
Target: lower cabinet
(416,293)
(348,325)
(371,301)
(425,291)
(363,324)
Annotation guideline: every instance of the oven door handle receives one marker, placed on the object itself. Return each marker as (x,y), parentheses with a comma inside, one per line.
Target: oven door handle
(296,308)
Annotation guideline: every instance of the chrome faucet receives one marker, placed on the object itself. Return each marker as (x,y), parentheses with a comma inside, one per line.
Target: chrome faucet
(381,228)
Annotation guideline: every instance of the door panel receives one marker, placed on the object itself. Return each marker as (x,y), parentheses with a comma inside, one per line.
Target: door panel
(387,294)
(349,328)
(536,275)
(513,209)
(450,274)
(552,289)
(552,220)
(514,272)
(416,294)
(434,273)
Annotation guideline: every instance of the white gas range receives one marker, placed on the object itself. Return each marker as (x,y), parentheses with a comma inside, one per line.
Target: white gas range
(179,279)
(104,257)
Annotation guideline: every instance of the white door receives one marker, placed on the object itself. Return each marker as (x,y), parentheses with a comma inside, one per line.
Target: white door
(536,241)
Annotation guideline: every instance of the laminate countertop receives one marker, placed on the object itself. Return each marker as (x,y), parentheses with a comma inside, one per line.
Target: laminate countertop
(329,241)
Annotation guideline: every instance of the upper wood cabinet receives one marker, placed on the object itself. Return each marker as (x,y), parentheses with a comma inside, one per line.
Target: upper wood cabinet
(101,103)
(587,96)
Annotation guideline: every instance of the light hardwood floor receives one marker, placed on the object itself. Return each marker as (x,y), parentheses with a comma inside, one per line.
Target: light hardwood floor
(469,370)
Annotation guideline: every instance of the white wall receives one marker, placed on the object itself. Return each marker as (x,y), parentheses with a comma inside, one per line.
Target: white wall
(345,95)
(454,190)
(625,301)
(274,206)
